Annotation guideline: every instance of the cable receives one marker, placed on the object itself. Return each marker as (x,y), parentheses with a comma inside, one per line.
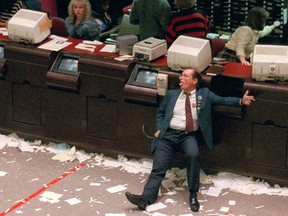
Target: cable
(144,132)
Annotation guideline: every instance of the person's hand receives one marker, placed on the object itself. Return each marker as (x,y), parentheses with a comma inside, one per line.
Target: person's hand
(247,63)
(276,23)
(246,99)
(156,134)
(244,61)
(114,30)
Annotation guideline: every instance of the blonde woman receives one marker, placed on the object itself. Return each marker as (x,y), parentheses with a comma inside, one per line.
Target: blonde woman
(80,23)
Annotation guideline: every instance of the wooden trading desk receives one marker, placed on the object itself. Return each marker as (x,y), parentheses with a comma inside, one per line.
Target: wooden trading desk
(97,117)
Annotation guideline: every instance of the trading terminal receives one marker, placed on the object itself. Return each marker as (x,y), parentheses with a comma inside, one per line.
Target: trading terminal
(99,103)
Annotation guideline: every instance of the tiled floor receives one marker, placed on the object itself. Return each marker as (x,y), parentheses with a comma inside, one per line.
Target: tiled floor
(93,188)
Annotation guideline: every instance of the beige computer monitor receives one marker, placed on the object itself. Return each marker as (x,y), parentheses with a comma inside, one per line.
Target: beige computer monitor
(126,28)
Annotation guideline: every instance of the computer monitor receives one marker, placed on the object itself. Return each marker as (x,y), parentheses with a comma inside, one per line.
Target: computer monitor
(144,77)
(270,62)
(1,51)
(189,51)
(29,26)
(66,63)
(126,28)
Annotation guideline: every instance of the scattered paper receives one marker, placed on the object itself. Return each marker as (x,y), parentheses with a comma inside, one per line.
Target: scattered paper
(62,157)
(224,209)
(86,47)
(55,45)
(156,206)
(158,214)
(2,173)
(51,195)
(116,189)
(95,184)
(108,48)
(258,207)
(25,146)
(115,214)
(73,201)
(212,191)
(124,57)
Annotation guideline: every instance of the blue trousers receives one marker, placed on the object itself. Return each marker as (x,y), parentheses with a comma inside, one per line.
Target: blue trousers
(171,142)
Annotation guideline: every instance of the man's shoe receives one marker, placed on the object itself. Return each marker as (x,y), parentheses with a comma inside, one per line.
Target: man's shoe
(136,200)
(194,205)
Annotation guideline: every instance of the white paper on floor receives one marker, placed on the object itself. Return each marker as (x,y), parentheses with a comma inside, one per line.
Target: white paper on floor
(223,180)
(2,173)
(213,191)
(158,214)
(155,207)
(73,201)
(116,189)
(115,214)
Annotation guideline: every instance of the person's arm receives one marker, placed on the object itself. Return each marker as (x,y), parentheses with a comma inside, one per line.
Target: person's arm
(94,31)
(134,15)
(242,37)
(230,101)
(170,34)
(268,29)
(107,34)
(165,16)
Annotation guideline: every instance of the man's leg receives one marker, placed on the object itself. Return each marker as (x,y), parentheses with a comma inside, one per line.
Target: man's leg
(191,156)
(161,163)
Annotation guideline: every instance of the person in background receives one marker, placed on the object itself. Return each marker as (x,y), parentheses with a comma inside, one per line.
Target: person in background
(187,21)
(183,119)
(152,16)
(100,13)
(33,5)
(242,43)
(115,10)
(80,23)
(7,10)
(62,6)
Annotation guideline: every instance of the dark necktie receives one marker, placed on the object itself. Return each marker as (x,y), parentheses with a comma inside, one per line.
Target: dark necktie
(189,119)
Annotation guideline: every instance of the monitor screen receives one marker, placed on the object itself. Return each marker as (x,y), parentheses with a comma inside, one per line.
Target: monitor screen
(1,52)
(146,76)
(68,64)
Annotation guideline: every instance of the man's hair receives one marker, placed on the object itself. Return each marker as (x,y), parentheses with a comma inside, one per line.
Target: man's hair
(197,75)
(184,3)
(256,18)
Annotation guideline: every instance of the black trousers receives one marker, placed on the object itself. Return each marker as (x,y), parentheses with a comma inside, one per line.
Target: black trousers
(170,143)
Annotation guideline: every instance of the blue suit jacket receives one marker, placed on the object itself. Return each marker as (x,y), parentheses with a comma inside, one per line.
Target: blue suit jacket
(204,100)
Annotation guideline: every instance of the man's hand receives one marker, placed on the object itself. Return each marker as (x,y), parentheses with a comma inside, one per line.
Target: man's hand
(156,134)
(246,99)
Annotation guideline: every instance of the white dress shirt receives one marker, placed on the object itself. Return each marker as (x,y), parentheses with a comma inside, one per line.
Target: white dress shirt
(178,121)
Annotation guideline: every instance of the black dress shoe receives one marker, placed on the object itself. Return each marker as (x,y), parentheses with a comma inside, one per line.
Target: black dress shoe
(136,200)
(194,205)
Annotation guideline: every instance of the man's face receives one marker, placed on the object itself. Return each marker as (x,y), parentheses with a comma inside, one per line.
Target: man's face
(187,82)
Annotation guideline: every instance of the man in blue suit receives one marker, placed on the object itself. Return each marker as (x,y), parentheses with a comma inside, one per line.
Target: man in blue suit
(172,134)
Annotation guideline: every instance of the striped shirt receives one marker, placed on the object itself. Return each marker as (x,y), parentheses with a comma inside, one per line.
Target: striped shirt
(5,15)
(190,22)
